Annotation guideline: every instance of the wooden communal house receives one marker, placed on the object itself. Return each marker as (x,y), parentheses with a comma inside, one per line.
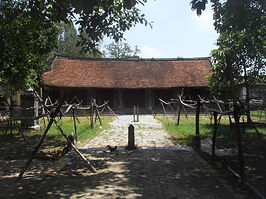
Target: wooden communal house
(128,82)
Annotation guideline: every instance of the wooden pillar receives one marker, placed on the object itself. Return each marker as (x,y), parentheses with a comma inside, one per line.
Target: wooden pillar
(134,114)
(149,99)
(214,133)
(239,143)
(120,98)
(197,117)
(115,97)
(179,112)
(196,137)
(137,113)
(90,95)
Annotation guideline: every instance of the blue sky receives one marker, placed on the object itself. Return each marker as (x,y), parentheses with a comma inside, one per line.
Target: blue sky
(177,31)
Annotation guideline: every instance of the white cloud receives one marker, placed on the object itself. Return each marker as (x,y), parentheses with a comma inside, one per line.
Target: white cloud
(204,21)
(148,52)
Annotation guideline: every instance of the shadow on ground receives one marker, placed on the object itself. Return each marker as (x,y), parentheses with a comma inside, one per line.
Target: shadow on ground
(123,174)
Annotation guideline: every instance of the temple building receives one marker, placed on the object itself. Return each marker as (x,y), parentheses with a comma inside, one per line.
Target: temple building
(128,82)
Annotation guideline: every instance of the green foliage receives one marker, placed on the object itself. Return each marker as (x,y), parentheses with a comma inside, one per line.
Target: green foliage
(28,33)
(24,45)
(121,50)
(67,39)
(198,5)
(95,19)
(241,52)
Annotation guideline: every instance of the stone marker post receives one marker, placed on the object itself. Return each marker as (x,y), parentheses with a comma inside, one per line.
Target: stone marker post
(29,105)
(131,138)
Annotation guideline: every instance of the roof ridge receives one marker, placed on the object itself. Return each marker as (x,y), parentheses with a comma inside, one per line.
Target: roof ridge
(132,59)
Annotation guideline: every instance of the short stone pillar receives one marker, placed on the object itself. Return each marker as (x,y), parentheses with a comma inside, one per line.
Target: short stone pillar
(131,138)
(29,105)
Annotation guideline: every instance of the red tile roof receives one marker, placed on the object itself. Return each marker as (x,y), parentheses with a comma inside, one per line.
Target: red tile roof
(135,73)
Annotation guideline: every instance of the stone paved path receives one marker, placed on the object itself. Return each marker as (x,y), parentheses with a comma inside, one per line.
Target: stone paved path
(144,174)
(140,174)
(148,132)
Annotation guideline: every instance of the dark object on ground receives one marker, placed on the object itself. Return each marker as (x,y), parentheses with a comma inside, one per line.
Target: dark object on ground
(71,137)
(112,149)
(68,147)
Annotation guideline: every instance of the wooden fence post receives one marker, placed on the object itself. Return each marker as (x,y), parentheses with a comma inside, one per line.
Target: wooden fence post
(239,143)
(75,125)
(37,147)
(92,113)
(179,112)
(214,133)
(197,117)
(196,137)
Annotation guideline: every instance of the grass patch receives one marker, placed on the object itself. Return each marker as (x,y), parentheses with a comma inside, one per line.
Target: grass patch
(84,129)
(258,115)
(182,133)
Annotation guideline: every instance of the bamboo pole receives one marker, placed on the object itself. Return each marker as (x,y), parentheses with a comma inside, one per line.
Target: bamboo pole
(92,114)
(236,115)
(179,112)
(214,134)
(36,148)
(90,167)
(98,115)
(75,125)
(163,109)
(197,117)
(63,94)
(111,111)
(239,143)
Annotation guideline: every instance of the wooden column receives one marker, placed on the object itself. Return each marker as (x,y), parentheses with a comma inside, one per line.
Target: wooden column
(214,133)
(149,99)
(179,113)
(120,96)
(115,97)
(196,137)
(197,117)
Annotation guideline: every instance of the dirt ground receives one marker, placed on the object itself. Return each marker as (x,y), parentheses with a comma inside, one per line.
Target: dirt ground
(254,150)
(122,174)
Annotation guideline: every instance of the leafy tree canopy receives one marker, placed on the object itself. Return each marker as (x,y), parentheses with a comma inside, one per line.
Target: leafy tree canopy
(121,50)
(28,32)
(241,52)
(24,42)
(67,39)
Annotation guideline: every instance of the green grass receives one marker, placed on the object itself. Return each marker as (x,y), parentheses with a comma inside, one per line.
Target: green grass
(258,115)
(84,129)
(182,133)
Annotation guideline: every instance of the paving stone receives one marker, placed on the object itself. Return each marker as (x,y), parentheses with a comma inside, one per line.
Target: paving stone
(149,134)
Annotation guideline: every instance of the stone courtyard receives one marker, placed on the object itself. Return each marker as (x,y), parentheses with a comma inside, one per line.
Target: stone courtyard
(157,169)
(148,133)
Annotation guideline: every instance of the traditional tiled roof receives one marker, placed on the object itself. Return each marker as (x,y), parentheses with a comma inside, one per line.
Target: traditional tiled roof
(128,73)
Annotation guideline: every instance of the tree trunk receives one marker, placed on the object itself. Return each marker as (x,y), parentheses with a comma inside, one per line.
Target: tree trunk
(247,97)
(236,118)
